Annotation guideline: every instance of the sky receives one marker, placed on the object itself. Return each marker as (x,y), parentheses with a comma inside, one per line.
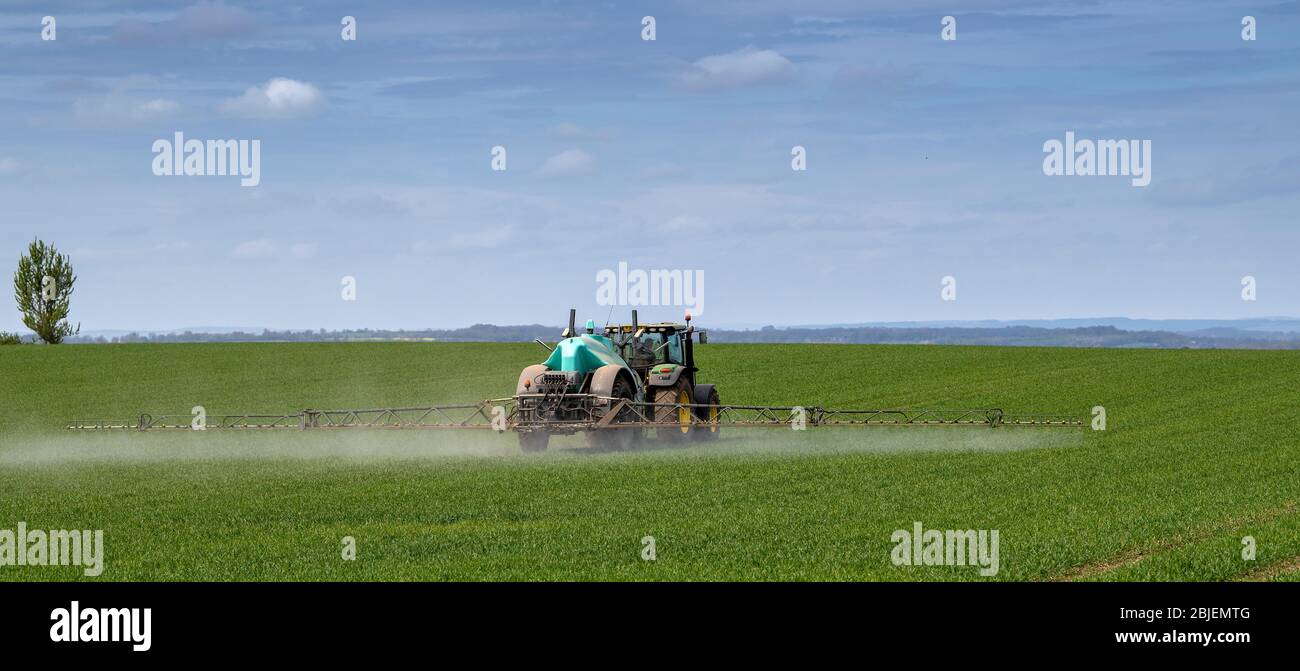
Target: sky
(924,159)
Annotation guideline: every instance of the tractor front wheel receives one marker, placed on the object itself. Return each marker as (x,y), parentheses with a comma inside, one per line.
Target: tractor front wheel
(672,412)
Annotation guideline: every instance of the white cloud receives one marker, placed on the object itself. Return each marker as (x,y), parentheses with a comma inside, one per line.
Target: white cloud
(266,248)
(202,20)
(684,223)
(303,250)
(567,163)
(744,67)
(254,249)
(724,209)
(157,107)
(280,98)
(116,108)
(663,170)
(162,248)
(574,132)
(486,238)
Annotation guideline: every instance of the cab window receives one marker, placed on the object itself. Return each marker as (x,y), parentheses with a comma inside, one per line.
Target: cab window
(674,348)
(644,348)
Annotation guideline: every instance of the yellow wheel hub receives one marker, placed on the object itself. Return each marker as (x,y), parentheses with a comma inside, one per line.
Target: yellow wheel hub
(683,413)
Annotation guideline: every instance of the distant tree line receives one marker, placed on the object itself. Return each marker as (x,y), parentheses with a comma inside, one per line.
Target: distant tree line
(1023,336)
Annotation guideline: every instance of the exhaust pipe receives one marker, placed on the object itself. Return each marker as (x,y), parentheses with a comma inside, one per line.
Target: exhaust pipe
(634,324)
(573,323)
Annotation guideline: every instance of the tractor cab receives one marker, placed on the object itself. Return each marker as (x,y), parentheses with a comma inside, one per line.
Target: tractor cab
(657,349)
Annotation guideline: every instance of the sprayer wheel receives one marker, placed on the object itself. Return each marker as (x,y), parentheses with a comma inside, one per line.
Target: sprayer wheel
(618,439)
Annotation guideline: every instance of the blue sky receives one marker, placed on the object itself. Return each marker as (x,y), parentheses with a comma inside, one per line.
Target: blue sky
(924,159)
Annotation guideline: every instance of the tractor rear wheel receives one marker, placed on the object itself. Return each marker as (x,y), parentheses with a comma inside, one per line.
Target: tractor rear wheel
(534,441)
(708,428)
(618,438)
(669,402)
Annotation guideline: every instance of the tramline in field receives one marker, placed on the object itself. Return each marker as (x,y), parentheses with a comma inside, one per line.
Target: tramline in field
(614,387)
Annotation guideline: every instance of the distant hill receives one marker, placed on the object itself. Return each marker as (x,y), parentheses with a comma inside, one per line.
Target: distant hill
(1213,334)
(1278,324)
(1027,336)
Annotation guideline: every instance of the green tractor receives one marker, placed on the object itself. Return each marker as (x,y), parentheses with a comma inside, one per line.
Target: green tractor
(612,385)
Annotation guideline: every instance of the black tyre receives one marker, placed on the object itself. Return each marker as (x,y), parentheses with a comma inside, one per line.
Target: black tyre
(707,427)
(618,439)
(668,411)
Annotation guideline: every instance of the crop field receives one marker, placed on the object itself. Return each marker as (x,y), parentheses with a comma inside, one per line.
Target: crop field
(1201,449)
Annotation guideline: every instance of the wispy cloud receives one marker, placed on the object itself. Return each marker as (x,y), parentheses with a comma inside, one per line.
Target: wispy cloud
(573,132)
(567,163)
(262,248)
(200,21)
(303,250)
(664,170)
(120,109)
(1252,183)
(740,68)
(10,166)
(487,238)
(267,248)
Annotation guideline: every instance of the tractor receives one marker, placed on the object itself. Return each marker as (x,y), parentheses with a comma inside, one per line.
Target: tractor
(614,384)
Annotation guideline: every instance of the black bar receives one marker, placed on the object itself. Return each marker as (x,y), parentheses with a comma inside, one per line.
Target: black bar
(936,624)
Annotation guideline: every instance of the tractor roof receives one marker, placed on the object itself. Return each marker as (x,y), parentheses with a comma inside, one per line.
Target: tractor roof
(649,326)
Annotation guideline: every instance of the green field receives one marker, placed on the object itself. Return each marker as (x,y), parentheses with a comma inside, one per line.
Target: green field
(1201,449)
